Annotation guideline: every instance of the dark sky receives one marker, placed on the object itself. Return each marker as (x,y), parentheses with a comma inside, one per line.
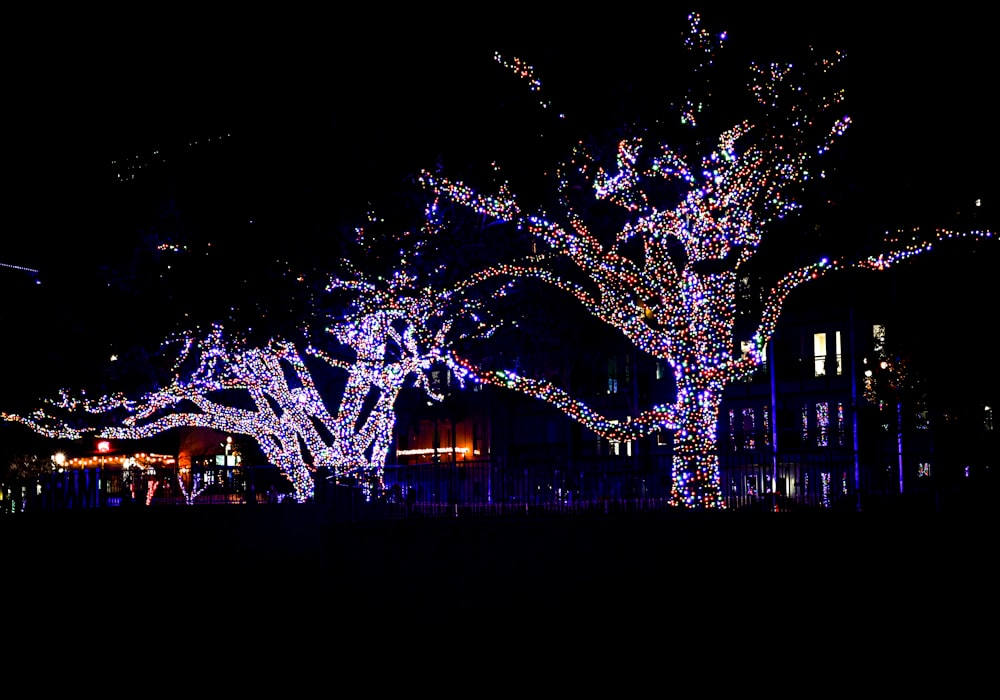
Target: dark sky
(295,120)
(334,98)
(331,94)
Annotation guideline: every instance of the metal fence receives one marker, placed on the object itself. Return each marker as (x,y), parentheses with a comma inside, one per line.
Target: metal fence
(760,480)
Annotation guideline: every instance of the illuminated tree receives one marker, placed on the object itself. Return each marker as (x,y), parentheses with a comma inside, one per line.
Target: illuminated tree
(388,332)
(659,238)
(652,240)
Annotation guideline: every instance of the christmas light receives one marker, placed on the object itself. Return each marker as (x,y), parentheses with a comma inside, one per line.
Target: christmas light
(392,331)
(680,308)
(676,301)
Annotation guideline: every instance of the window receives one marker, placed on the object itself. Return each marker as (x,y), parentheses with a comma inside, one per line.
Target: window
(841,423)
(732,429)
(612,375)
(838,354)
(615,447)
(662,369)
(749,429)
(819,354)
(765,412)
(822,360)
(826,481)
(822,424)
(878,340)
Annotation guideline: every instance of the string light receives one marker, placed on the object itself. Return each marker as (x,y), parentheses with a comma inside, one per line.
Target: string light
(393,330)
(681,308)
(398,325)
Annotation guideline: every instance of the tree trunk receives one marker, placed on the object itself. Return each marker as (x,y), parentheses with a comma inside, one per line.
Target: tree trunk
(695,473)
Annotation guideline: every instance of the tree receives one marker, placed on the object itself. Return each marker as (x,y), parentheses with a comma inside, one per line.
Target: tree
(659,237)
(652,240)
(390,327)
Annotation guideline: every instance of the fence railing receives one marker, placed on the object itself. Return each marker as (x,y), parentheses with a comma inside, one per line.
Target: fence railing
(760,480)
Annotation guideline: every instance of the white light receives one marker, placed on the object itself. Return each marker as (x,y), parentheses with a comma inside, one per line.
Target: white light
(430,450)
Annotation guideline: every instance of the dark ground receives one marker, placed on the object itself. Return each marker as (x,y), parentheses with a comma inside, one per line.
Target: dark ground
(557,595)
(558,565)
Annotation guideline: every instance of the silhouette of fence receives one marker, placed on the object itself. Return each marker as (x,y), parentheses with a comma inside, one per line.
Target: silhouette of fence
(750,481)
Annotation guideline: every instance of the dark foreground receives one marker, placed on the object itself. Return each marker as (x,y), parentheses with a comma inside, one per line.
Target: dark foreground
(757,564)
(599,604)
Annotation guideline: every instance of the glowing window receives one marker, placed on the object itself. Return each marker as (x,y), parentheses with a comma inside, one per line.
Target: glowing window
(822,424)
(878,340)
(766,419)
(821,354)
(841,424)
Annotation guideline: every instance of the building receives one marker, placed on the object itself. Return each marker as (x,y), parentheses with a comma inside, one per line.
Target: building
(855,401)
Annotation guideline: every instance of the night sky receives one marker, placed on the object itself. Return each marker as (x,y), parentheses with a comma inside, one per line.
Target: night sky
(276,131)
(305,104)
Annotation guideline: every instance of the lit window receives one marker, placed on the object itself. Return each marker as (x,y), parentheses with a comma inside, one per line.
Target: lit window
(837,356)
(822,424)
(819,354)
(766,416)
(878,338)
(825,480)
(614,447)
(841,424)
